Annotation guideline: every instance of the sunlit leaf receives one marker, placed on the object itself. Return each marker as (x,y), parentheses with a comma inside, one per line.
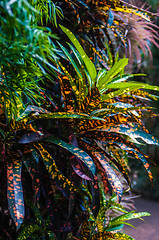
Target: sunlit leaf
(30,109)
(116,69)
(90,66)
(133,133)
(128,216)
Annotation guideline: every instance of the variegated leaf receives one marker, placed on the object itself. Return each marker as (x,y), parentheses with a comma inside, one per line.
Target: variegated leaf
(83,156)
(112,177)
(29,231)
(52,169)
(91,101)
(138,155)
(132,133)
(32,109)
(15,189)
(67,92)
(78,168)
(128,216)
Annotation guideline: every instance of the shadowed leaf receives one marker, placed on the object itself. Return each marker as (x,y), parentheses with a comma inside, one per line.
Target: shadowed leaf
(28,232)
(15,190)
(83,156)
(51,167)
(111,176)
(31,137)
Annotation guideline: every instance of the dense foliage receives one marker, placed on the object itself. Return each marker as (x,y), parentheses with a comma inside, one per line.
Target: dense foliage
(70,117)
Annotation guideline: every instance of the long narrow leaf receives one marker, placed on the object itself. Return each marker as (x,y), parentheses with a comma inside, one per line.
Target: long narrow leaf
(89,64)
(117,68)
(133,133)
(112,177)
(15,190)
(52,169)
(83,156)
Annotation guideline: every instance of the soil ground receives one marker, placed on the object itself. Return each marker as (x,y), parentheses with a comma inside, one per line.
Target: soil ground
(149,228)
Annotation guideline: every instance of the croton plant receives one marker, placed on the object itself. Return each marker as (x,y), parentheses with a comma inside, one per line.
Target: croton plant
(70,118)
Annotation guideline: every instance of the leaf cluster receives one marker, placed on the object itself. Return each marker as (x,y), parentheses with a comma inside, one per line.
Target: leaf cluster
(67,127)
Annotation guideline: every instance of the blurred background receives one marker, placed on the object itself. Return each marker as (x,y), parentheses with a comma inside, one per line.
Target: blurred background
(148,194)
(141,182)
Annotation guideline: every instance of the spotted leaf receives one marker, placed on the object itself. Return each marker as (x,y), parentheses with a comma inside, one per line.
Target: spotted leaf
(111,236)
(133,133)
(83,156)
(15,190)
(131,84)
(91,101)
(127,216)
(52,169)
(138,155)
(29,231)
(32,109)
(79,169)
(111,176)
(64,115)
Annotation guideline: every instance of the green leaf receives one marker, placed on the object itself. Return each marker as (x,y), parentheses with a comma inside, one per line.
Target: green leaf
(89,64)
(129,216)
(64,115)
(15,190)
(122,236)
(131,84)
(112,109)
(126,87)
(124,77)
(118,227)
(71,60)
(116,69)
(83,156)
(31,109)
(118,208)
(36,212)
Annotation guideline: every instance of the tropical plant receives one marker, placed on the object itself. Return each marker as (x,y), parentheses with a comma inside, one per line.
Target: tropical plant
(66,127)
(121,25)
(107,224)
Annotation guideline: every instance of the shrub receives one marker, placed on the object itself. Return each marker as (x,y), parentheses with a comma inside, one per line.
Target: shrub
(68,124)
